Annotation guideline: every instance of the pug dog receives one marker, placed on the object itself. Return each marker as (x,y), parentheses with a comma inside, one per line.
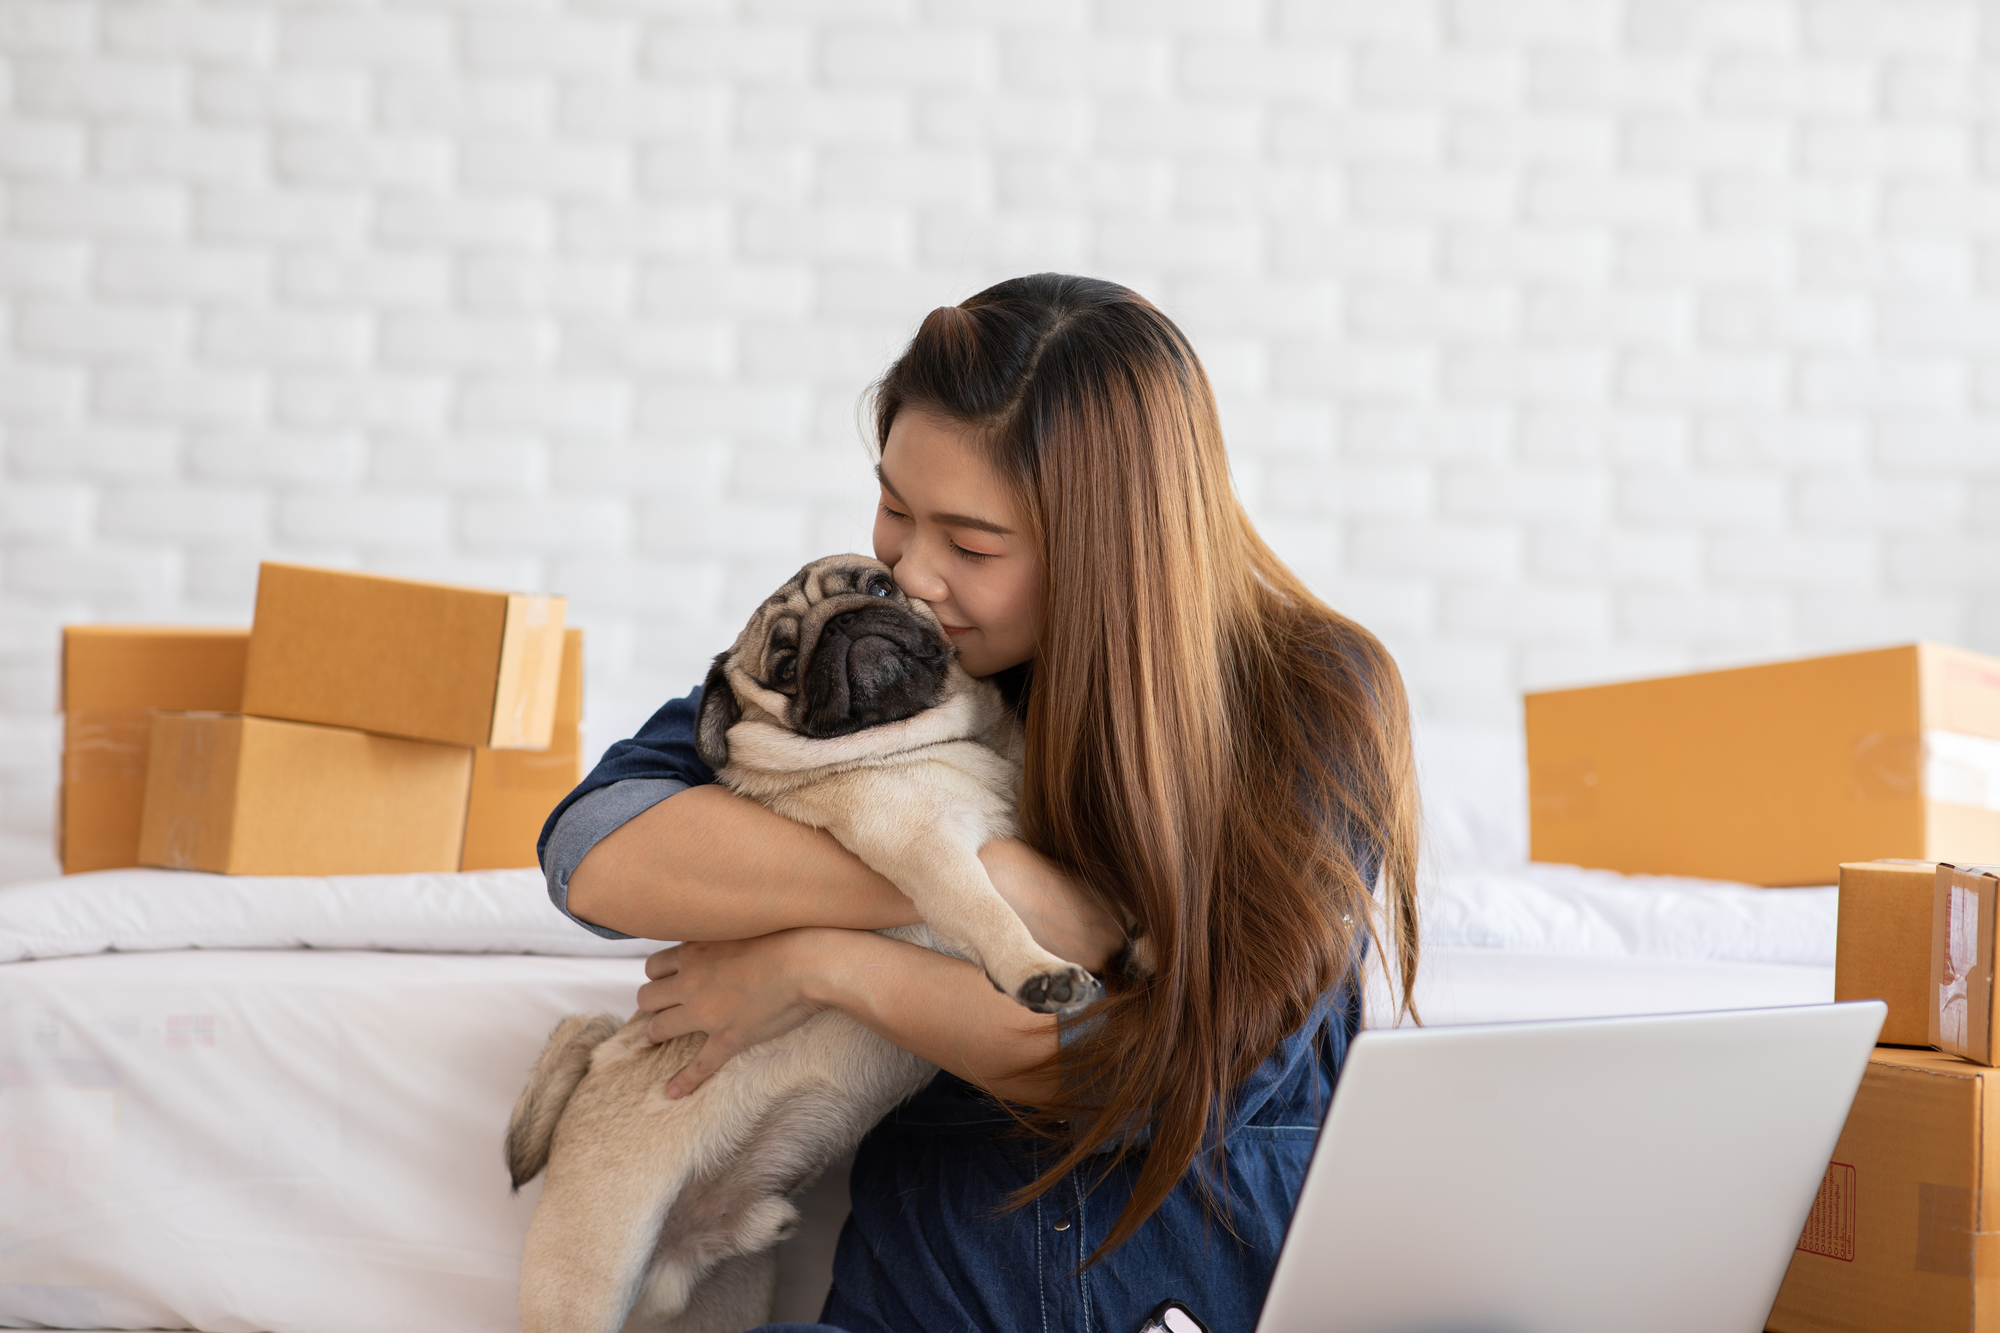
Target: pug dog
(840,705)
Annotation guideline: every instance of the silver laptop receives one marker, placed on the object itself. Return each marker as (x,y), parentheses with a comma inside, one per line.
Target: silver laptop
(1615,1175)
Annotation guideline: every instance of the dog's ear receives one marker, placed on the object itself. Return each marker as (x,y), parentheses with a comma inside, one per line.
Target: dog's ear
(718,714)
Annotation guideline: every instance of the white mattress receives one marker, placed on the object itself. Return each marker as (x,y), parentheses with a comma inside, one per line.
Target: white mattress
(297,1135)
(271,1140)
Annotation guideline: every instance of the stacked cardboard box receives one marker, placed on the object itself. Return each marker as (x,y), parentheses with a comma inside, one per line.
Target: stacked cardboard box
(1789,774)
(1772,774)
(362,725)
(1905,1232)
(113,678)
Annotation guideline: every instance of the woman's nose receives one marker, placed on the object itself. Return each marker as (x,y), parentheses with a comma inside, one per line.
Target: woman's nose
(916,576)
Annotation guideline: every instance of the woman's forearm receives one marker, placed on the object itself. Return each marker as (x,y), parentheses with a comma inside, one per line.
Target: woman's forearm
(941,1008)
(707,864)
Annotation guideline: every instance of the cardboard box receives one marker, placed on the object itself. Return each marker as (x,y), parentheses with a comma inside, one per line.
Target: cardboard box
(1773,774)
(1883,950)
(1960,1020)
(514,790)
(1905,1233)
(426,661)
(254,796)
(113,678)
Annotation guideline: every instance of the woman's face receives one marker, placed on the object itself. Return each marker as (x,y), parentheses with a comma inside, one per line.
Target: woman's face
(955,536)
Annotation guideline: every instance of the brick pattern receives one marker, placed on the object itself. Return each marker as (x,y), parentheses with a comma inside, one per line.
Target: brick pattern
(1556,339)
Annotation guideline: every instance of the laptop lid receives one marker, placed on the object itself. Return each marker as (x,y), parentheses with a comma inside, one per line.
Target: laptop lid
(1636,1174)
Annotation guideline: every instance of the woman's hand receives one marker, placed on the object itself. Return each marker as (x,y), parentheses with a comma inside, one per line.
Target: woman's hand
(1060,913)
(739,992)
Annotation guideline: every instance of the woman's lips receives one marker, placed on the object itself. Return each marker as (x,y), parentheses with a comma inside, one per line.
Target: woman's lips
(955,630)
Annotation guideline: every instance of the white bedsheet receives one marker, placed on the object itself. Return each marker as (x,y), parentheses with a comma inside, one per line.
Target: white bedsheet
(299,1141)
(309,1141)
(276,1131)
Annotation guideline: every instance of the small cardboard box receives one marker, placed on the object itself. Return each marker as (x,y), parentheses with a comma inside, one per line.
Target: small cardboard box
(1961,970)
(254,796)
(1905,1233)
(113,678)
(1772,774)
(1883,951)
(427,661)
(514,790)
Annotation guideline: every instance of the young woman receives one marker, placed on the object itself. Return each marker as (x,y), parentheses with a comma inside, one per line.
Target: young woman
(1213,756)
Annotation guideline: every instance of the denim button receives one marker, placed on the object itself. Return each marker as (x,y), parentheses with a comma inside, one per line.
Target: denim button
(1062,1224)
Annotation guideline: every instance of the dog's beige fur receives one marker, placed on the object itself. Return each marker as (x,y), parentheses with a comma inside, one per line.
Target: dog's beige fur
(660,1215)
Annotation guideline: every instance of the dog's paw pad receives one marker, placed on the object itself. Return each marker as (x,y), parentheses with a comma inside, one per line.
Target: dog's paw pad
(1060,992)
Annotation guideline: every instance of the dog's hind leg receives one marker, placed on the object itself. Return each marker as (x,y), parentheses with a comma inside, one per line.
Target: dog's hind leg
(736,1295)
(614,1170)
(563,1063)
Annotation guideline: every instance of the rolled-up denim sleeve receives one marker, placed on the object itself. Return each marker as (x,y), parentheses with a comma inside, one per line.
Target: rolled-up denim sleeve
(587,822)
(633,776)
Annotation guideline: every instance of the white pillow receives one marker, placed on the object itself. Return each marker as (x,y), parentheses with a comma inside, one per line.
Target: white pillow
(484,911)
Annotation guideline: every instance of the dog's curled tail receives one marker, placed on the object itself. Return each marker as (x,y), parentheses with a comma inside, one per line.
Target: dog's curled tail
(564,1062)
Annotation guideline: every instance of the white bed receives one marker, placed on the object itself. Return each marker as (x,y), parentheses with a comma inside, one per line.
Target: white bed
(236,1104)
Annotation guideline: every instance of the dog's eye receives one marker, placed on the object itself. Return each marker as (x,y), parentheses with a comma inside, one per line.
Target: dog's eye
(787,669)
(878,586)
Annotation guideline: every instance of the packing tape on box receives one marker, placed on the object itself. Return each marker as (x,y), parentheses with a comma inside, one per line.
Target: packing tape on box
(1944,1229)
(107,744)
(193,766)
(1563,790)
(1946,766)
(1961,956)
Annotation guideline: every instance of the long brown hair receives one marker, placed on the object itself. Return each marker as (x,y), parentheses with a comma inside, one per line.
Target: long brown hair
(1209,747)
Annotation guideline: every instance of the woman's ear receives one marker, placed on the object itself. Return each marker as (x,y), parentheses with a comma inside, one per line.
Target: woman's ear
(718,714)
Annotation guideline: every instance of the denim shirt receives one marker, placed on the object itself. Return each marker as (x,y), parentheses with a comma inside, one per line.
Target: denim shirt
(930,1246)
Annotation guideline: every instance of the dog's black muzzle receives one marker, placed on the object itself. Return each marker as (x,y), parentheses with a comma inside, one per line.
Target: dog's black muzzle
(869,666)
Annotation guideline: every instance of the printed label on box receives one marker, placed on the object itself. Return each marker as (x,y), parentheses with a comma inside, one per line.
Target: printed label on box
(1961,955)
(1830,1225)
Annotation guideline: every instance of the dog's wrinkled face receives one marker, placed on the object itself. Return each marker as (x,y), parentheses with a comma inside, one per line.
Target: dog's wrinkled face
(838,649)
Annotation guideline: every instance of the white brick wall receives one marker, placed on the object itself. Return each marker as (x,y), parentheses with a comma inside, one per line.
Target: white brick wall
(1557,339)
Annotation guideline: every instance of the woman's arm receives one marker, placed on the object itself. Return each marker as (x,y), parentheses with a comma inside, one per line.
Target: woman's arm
(760,959)
(742,992)
(707,864)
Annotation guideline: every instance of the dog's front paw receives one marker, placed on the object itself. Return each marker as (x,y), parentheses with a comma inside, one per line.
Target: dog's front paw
(1060,992)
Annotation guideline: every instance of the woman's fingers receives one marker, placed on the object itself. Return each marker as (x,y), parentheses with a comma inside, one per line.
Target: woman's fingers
(657,995)
(711,1057)
(664,963)
(737,993)
(668,1024)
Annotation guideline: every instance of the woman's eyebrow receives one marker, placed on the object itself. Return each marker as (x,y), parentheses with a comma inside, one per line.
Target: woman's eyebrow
(949,520)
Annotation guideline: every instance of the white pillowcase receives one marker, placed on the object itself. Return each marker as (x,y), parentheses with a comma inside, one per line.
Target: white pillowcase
(485,911)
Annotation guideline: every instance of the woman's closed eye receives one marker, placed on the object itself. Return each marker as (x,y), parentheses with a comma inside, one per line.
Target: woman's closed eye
(894,513)
(971,555)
